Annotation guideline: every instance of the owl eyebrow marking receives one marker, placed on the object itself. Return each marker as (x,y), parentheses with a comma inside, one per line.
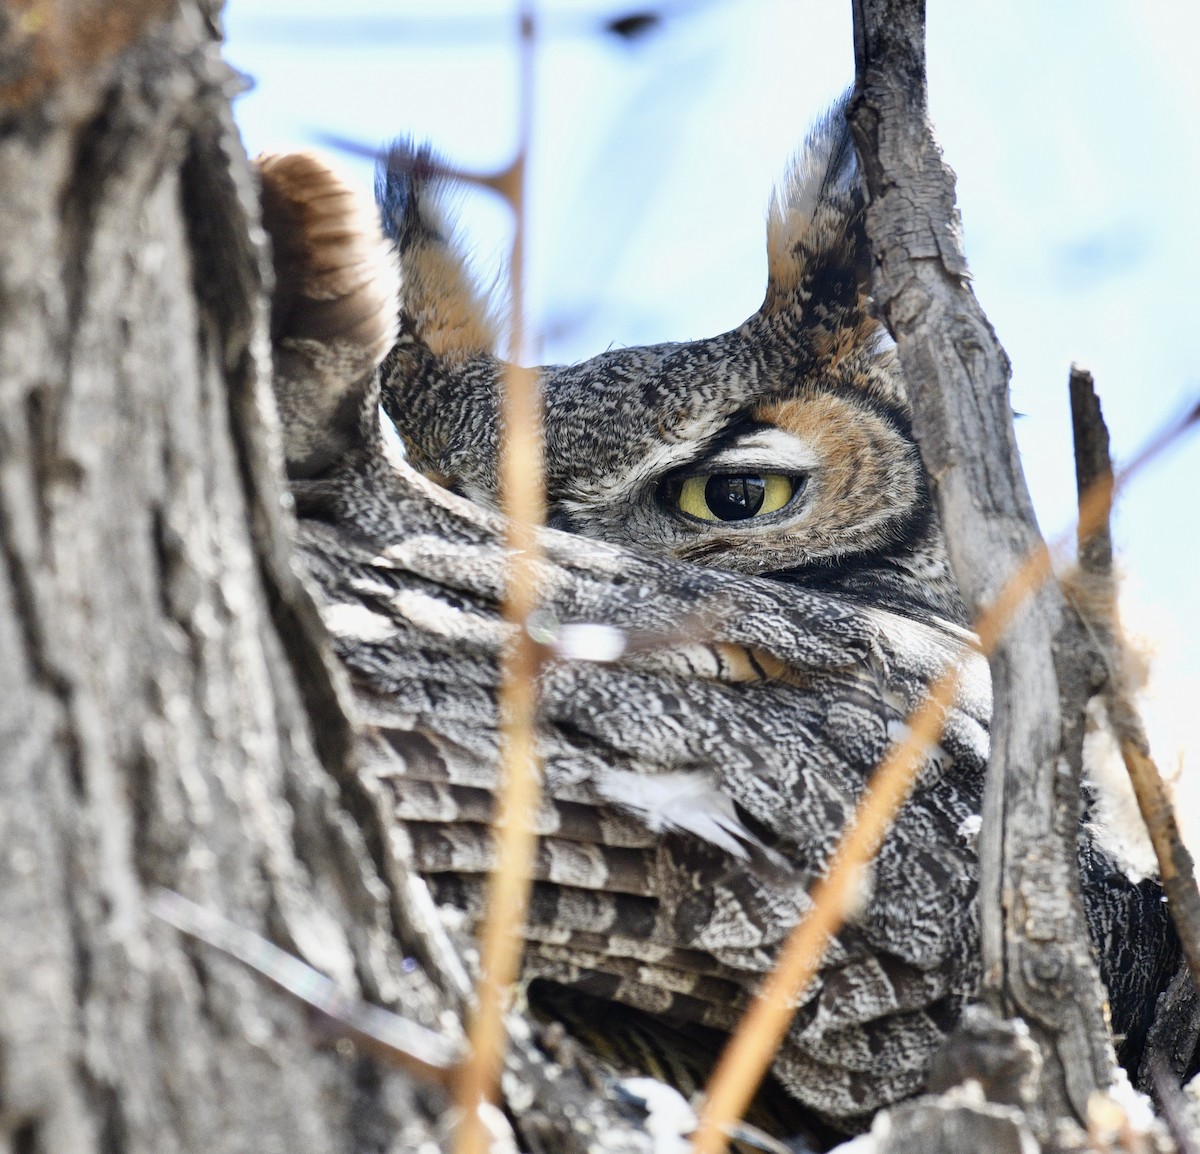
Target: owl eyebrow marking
(766,448)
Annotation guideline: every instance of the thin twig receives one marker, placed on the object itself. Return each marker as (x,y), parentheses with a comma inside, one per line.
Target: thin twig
(1093,472)
(505,182)
(1174,1108)
(388,1036)
(517,801)
(751,1049)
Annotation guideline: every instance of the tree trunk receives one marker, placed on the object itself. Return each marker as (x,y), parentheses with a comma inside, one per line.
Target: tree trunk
(167,712)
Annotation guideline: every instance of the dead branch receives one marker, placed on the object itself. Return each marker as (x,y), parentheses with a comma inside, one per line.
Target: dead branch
(1034,938)
(1093,471)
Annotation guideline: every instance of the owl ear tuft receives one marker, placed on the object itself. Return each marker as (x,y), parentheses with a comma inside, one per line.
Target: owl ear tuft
(440,303)
(816,242)
(440,384)
(333,307)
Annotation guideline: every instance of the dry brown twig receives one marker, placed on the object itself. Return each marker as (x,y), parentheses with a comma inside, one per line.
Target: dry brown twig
(523,502)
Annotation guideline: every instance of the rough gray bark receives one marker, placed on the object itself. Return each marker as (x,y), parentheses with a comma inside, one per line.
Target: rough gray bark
(167,715)
(1036,956)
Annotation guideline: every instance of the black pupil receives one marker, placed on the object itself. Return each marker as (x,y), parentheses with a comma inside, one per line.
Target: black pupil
(734,498)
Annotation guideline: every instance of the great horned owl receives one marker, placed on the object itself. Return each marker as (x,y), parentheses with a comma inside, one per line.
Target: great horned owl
(783,447)
(766,549)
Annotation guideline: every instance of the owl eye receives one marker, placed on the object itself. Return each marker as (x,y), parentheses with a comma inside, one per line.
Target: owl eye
(731,496)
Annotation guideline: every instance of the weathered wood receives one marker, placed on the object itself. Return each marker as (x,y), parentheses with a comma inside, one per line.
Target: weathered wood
(167,714)
(1093,469)
(1036,955)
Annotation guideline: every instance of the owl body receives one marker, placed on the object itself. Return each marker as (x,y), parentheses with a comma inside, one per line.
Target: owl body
(689,802)
(744,595)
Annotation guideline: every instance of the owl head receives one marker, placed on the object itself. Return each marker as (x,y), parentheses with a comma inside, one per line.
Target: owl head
(781,448)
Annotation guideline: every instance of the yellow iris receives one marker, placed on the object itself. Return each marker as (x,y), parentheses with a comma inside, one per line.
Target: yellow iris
(731,497)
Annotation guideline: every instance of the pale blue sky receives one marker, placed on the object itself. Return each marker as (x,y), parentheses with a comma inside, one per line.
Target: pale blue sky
(1072,127)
